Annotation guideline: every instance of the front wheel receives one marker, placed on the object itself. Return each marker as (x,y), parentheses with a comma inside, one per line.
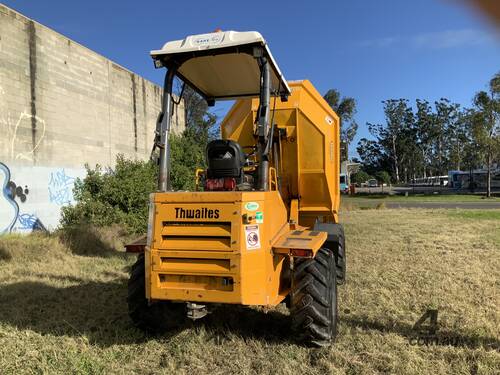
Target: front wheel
(314,299)
(340,257)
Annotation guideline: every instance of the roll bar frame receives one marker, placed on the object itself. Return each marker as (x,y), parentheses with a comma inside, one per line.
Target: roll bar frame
(165,121)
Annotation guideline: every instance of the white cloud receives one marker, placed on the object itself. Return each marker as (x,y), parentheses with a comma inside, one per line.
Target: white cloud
(381,42)
(435,40)
(452,39)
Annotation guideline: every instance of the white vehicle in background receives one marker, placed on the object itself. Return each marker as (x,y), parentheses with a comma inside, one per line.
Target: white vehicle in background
(372,182)
(473,179)
(430,181)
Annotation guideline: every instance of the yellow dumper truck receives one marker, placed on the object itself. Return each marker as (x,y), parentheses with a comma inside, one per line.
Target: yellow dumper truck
(262,227)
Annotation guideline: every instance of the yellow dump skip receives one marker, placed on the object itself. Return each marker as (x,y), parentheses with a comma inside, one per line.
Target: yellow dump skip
(309,147)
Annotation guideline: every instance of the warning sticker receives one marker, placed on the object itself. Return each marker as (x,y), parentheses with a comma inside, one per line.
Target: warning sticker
(259,217)
(252,237)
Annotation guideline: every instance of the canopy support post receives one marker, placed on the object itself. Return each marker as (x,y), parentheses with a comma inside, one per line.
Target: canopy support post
(167,106)
(263,123)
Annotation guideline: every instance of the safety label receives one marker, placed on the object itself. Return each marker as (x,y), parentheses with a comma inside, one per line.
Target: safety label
(252,237)
(259,217)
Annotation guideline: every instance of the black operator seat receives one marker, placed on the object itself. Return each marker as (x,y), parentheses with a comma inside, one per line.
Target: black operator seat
(225,158)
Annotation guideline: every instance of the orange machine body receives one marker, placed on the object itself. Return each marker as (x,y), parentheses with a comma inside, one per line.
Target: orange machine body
(217,247)
(236,246)
(309,160)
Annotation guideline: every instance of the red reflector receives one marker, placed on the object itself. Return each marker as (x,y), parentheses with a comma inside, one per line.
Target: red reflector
(229,183)
(217,184)
(301,253)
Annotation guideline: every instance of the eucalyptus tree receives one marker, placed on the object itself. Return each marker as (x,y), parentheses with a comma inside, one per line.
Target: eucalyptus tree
(486,125)
(345,107)
(372,155)
(394,136)
(447,135)
(424,123)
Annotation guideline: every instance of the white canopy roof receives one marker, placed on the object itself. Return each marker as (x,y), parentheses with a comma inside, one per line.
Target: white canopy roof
(221,65)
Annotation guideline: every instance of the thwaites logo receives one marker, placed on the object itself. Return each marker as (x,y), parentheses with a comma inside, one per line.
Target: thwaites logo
(199,213)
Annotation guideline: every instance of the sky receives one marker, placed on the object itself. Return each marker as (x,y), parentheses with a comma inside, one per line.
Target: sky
(371,50)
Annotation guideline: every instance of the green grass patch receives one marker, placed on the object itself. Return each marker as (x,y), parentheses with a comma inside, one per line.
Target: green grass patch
(420,198)
(476,214)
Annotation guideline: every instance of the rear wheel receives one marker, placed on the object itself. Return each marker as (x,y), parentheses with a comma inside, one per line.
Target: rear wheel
(314,299)
(157,317)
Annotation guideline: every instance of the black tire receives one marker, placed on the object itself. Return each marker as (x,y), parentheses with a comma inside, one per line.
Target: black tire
(336,243)
(314,299)
(158,317)
(340,258)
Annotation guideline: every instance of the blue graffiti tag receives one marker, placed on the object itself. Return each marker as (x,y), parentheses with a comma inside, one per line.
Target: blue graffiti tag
(61,187)
(27,221)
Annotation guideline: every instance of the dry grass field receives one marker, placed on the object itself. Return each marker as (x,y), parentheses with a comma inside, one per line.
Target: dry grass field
(63,309)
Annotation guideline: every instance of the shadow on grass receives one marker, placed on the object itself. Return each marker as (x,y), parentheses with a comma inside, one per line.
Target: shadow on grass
(98,311)
(95,310)
(4,253)
(247,323)
(441,338)
(87,240)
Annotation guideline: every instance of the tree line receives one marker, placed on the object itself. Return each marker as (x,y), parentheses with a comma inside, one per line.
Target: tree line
(429,139)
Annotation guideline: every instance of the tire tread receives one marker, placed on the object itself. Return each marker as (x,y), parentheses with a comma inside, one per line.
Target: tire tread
(313,299)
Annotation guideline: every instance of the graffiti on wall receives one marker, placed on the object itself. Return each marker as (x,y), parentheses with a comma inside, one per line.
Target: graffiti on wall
(29,222)
(12,125)
(12,195)
(20,148)
(7,202)
(17,191)
(61,187)
(22,207)
(31,197)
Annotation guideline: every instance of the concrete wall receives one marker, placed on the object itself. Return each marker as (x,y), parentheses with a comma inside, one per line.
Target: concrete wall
(61,106)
